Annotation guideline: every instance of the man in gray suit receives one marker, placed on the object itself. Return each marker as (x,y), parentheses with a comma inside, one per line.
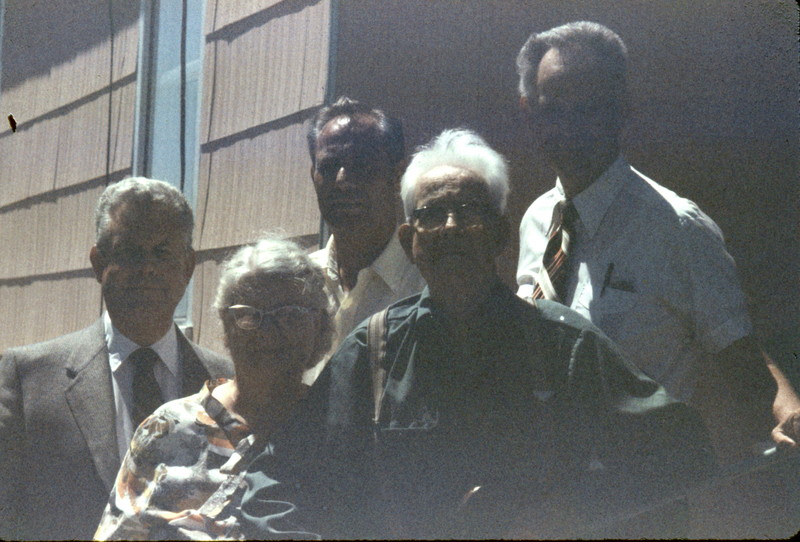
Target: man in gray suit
(69,406)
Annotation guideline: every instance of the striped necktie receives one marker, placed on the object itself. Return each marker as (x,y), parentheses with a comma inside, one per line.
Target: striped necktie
(553,274)
(146,393)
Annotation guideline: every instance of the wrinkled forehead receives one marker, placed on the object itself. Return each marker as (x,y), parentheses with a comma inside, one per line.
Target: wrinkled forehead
(451,183)
(265,289)
(358,134)
(135,220)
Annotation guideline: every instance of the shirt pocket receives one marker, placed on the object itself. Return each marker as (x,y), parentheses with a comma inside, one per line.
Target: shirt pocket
(611,311)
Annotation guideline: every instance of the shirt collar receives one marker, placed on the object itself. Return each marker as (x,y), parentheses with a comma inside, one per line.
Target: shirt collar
(388,265)
(594,201)
(331,267)
(120,346)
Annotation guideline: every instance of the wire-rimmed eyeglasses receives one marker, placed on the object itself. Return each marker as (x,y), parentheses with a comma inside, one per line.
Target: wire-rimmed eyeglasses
(286,317)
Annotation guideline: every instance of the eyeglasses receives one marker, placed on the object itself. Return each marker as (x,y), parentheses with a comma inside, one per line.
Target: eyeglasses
(287,317)
(468,215)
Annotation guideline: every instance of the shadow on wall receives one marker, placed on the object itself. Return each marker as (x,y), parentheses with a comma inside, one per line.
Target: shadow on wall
(82,25)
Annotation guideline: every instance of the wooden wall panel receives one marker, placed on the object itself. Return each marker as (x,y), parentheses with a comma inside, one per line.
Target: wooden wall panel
(42,309)
(257,184)
(265,67)
(223,13)
(207,325)
(50,236)
(265,72)
(74,108)
(71,69)
(68,148)
(69,79)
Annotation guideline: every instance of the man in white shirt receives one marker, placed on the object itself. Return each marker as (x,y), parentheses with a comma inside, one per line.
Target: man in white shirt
(645,265)
(357,158)
(69,406)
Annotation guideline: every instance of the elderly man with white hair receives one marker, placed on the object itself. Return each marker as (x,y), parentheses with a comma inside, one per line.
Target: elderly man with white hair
(465,411)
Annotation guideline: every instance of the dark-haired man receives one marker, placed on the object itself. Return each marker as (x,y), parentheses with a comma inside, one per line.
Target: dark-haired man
(357,157)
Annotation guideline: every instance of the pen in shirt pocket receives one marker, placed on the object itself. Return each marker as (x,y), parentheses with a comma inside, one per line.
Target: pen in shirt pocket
(607,279)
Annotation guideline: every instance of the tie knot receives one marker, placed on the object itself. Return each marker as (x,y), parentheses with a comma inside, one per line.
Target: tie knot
(143,359)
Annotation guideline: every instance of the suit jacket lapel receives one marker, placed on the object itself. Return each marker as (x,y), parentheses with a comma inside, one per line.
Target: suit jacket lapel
(91,399)
(194,372)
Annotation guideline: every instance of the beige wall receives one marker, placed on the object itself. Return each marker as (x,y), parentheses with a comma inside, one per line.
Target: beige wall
(265,73)
(69,77)
(71,89)
(714,117)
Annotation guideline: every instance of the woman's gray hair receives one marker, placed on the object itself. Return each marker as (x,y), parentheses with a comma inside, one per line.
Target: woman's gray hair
(273,257)
(140,193)
(459,148)
(573,39)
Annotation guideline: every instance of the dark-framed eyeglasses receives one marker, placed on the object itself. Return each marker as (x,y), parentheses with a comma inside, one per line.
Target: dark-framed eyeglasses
(286,317)
(467,215)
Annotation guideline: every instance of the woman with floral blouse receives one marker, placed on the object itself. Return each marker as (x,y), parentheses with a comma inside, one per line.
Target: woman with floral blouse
(183,472)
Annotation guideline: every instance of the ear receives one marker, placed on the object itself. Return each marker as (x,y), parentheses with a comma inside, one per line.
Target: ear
(406,235)
(98,263)
(524,111)
(191,261)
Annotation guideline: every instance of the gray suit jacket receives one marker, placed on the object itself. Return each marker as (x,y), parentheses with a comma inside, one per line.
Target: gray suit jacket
(58,441)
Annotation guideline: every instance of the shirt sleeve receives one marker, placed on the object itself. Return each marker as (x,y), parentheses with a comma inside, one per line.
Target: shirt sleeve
(718,303)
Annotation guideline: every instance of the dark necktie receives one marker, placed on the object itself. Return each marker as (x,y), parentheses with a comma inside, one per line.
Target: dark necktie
(146,393)
(556,253)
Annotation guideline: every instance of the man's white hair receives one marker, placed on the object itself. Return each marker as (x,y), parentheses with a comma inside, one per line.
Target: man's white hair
(459,148)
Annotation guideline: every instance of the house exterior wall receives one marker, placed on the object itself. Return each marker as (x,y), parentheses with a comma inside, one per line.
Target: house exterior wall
(714,117)
(68,79)
(265,73)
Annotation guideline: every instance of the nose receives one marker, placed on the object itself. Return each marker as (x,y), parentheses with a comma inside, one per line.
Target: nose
(452,222)
(148,266)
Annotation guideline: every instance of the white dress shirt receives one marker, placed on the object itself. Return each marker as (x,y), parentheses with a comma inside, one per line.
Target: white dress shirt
(391,277)
(649,268)
(168,374)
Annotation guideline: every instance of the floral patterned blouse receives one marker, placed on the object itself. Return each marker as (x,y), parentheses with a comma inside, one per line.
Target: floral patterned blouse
(182,475)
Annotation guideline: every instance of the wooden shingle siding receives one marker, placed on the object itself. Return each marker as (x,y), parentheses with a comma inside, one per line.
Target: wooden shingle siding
(69,79)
